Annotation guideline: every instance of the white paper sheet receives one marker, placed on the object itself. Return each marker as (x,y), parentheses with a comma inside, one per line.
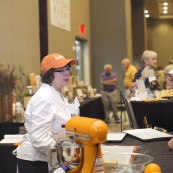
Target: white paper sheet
(141,85)
(73,107)
(115,136)
(148,134)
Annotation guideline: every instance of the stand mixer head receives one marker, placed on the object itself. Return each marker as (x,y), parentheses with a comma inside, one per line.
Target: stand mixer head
(90,133)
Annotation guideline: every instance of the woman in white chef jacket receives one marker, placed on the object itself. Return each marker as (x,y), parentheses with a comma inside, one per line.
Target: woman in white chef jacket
(45,113)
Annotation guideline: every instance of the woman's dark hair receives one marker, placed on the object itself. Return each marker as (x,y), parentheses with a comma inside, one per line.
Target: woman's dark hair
(48,77)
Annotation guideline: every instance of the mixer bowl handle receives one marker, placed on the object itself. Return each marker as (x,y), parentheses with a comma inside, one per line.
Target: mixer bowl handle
(58,150)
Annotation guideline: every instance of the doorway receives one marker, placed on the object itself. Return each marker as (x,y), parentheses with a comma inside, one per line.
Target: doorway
(83,69)
(79,58)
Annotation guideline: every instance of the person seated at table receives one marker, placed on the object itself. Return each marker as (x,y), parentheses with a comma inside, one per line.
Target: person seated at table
(169,79)
(168,74)
(149,57)
(169,67)
(45,114)
(160,76)
(109,93)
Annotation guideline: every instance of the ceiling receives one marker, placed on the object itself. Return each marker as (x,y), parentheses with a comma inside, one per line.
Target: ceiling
(155,9)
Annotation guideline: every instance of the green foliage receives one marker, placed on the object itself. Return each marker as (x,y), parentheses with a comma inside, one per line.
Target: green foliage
(21,84)
(8,79)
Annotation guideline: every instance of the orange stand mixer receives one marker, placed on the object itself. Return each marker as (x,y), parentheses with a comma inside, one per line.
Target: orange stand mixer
(90,133)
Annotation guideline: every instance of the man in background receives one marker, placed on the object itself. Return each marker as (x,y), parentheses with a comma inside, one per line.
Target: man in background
(130,72)
(108,82)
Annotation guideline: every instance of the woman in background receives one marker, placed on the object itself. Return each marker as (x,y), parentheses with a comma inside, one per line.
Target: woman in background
(149,58)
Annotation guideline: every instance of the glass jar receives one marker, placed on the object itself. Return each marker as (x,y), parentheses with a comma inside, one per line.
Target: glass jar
(19,111)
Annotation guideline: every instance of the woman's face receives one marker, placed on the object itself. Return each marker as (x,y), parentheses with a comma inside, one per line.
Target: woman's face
(61,78)
(152,62)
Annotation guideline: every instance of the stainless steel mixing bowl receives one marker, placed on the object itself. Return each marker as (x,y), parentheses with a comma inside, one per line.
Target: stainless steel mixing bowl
(67,152)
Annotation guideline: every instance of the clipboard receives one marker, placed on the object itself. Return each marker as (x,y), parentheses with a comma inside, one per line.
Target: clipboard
(148,134)
(115,136)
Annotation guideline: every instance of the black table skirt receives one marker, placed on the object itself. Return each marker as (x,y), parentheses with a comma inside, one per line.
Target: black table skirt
(8,161)
(93,108)
(9,128)
(158,113)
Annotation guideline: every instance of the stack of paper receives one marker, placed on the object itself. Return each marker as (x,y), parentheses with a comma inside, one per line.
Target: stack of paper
(10,139)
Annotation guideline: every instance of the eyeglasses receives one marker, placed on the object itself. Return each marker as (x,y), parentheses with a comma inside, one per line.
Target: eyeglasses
(62,70)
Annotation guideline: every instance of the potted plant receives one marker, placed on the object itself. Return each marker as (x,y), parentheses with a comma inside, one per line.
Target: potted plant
(8,81)
(21,84)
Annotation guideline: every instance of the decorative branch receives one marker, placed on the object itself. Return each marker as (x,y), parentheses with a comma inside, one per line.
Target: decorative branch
(8,79)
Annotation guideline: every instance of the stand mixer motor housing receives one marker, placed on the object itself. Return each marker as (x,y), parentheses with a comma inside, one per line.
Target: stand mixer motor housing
(90,133)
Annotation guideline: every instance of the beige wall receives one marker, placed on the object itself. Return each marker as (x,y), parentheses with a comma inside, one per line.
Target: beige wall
(138,31)
(19,38)
(63,41)
(160,39)
(110,42)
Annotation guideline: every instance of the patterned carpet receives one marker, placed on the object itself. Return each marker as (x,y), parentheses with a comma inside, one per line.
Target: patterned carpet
(117,127)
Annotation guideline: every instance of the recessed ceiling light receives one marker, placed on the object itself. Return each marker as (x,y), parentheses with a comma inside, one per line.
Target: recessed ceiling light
(145,11)
(165,8)
(147,15)
(165,4)
(165,11)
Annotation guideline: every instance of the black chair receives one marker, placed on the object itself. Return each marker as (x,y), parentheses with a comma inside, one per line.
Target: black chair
(130,113)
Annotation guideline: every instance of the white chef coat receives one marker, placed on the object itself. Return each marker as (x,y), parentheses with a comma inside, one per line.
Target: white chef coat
(45,113)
